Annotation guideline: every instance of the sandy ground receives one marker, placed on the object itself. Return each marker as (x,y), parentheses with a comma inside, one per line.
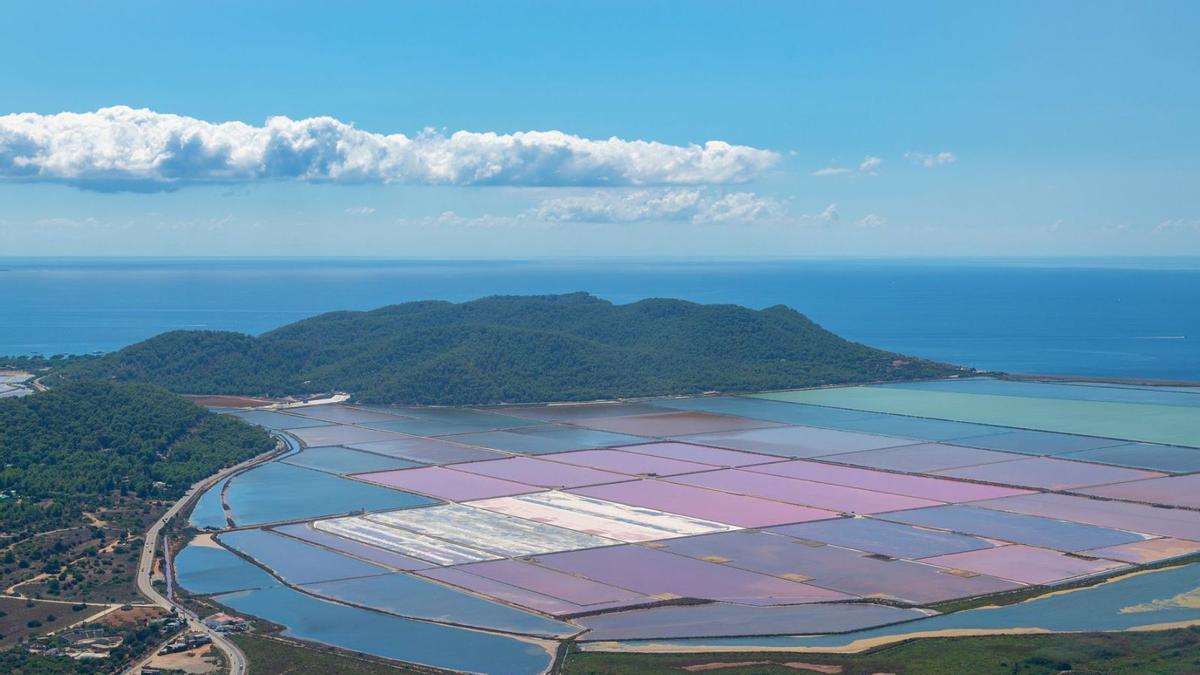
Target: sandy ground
(206,541)
(132,615)
(199,660)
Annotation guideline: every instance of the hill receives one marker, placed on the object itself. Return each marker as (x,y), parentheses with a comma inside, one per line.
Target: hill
(89,445)
(87,467)
(511,349)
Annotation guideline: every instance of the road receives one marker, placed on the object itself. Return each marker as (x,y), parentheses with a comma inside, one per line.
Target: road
(233,655)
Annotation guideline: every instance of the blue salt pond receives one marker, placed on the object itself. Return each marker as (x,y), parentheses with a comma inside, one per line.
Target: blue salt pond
(1143,456)
(1135,601)
(393,637)
(208,511)
(276,492)
(723,619)
(294,561)
(340,460)
(209,569)
(275,420)
(1015,527)
(410,596)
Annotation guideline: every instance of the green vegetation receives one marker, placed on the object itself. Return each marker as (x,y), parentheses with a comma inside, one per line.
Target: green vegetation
(87,467)
(1129,653)
(41,363)
(266,655)
(85,445)
(515,349)
(137,640)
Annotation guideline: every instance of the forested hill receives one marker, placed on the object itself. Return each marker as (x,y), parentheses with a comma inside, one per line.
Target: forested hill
(512,349)
(85,445)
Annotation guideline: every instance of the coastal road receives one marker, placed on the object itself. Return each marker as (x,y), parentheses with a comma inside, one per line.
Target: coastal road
(233,655)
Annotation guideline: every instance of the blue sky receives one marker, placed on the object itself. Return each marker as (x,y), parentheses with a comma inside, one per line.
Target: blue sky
(1017,128)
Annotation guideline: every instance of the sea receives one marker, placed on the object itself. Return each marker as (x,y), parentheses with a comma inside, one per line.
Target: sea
(1136,318)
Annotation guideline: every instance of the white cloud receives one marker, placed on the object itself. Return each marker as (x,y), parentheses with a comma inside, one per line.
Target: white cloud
(930,160)
(694,205)
(829,214)
(739,207)
(867,167)
(871,220)
(121,148)
(1177,225)
(831,171)
(360,210)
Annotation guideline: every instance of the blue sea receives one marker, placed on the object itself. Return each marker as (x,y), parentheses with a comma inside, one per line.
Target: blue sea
(1124,317)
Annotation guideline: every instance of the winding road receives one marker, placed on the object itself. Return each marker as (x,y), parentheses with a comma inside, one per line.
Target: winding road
(233,655)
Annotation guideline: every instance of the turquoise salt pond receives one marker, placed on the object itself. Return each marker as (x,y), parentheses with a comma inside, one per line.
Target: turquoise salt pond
(393,637)
(276,492)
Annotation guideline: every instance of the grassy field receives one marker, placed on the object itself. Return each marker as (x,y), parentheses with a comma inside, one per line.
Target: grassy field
(266,656)
(1142,653)
(16,615)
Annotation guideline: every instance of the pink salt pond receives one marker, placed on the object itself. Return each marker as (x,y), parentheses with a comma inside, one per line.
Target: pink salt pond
(448,484)
(1025,564)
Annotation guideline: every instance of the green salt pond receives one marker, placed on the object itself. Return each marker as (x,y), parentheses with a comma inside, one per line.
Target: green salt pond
(1169,424)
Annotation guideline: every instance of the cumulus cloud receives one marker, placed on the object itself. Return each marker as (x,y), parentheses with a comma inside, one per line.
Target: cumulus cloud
(694,205)
(931,160)
(121,148)
(869,166)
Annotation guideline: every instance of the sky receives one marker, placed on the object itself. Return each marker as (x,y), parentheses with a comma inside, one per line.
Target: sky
(481,130)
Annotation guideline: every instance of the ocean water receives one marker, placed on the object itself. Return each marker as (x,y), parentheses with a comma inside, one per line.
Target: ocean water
(1136,318)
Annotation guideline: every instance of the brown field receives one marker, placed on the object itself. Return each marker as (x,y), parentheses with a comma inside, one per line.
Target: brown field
(229,401)
(17,612)
(132,616)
